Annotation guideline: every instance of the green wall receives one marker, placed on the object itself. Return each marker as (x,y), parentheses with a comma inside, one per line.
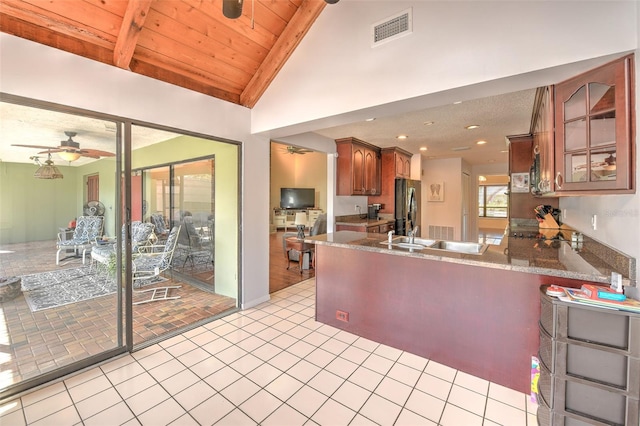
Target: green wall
(226,196)
(33,209)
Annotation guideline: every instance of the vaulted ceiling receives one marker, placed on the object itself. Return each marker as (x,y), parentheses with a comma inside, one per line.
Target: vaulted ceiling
(188,43)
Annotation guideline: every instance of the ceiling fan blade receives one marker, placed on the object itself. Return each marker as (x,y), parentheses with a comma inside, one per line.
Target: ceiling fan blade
(35,146)
(90,155)
(50,150)
(92,152)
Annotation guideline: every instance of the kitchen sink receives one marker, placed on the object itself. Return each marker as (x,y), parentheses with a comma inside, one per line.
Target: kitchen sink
(460,247)
(405,242)
(410,245)
(452,246)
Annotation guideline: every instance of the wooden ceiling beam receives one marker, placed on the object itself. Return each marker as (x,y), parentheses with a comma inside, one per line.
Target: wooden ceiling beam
(132,24)
(287,42)
(38,17)
(54,39)
(169,70)
(182,79)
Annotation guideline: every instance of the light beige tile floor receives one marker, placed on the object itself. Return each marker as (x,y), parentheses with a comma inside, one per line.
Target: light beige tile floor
(271,365)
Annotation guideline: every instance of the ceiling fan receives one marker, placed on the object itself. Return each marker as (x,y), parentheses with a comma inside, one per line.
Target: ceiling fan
(295,150)
(70,150)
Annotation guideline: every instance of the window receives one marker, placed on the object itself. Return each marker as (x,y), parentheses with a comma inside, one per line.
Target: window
(493,201)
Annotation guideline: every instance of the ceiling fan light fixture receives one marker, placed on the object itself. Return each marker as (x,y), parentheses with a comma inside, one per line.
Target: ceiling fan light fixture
(69,155)
(232,9)
(48,170)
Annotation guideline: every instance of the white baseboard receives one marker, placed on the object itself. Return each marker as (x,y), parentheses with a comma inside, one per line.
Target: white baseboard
(252,303)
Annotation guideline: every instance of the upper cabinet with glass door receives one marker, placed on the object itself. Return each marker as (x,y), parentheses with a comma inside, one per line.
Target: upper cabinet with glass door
(593,131)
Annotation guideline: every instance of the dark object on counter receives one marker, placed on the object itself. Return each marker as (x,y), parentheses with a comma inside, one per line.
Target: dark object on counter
(407,208)
(372,211)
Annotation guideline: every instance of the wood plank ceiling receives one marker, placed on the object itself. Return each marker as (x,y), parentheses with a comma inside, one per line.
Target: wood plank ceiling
(188,43)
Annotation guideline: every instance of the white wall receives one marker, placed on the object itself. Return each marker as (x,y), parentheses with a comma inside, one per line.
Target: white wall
(454,45)
(448,211)
(458,50)
(35,71)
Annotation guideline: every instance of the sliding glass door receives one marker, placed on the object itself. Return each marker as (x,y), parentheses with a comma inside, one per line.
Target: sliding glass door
(58,198)
(176,179)
(193,194)
(87,205)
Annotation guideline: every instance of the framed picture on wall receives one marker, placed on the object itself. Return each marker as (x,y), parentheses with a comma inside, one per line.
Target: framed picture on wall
(519,182)
(436,191)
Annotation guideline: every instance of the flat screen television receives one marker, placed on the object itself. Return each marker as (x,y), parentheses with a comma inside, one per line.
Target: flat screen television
(297,198)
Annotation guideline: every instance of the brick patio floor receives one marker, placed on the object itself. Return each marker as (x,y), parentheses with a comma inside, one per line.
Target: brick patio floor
(32,343)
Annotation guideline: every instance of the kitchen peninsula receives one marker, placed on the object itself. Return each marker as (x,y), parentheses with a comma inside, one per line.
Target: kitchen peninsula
(477,313)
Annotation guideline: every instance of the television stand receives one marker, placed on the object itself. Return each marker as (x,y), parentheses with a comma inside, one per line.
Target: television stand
(285,218)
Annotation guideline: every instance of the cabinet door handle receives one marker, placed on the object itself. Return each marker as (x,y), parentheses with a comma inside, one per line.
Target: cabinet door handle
(559,180)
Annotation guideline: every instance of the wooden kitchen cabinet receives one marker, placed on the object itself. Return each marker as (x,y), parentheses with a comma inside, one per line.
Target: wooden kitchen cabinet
(384,228)
(589,364)
(522,204)
(358,168)
(402,160)
(395,163)
(543,155)
(594,131)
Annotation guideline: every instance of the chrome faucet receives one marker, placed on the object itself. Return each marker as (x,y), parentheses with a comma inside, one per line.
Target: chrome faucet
(390,236)
(412,233)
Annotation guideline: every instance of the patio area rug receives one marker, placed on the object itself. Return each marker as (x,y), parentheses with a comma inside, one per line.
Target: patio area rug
(62,287)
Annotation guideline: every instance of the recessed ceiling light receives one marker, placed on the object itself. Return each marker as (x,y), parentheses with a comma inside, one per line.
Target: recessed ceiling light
(457,102)
(481,142)
(472,126)
(370,119)
(428,123)
(423,148)
(402,137)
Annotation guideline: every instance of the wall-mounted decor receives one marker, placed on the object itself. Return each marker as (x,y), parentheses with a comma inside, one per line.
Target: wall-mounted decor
(436,191)
(519,182)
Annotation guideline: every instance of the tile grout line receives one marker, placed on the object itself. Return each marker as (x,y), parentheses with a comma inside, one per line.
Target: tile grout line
(282,304)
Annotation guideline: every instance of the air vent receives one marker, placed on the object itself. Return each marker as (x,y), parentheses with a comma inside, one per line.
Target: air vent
(392,28)
(441,232)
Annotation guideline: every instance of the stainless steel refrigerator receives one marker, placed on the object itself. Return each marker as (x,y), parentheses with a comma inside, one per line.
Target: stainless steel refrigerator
(407,206)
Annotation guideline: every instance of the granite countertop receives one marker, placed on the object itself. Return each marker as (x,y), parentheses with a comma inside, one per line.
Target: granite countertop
(592,261)
(356,220)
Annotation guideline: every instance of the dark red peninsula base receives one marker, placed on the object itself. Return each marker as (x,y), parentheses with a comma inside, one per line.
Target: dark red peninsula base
(483,321)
